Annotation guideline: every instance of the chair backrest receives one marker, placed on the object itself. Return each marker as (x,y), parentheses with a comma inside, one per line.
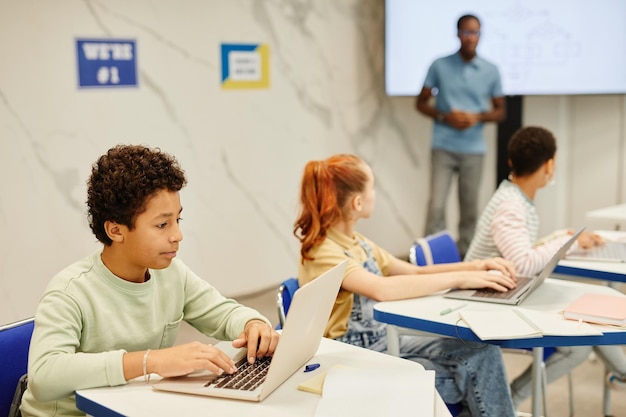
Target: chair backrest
(284,295)
(14,345)
(439,248)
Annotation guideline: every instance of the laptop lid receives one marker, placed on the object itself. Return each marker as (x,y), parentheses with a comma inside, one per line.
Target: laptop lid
(300,338)
(522,291)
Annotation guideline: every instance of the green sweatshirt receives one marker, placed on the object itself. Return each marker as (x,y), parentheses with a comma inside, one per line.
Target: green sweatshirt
(88,318)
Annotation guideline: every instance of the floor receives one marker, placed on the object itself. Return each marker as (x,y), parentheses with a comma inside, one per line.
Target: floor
(588,377)
(587,388)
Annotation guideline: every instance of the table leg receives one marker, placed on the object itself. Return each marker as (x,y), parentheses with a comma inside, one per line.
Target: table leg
(615,285)
(536,382)
(393,340)
(606,396)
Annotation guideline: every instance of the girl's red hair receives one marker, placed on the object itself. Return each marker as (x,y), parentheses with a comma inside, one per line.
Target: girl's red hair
(326,188)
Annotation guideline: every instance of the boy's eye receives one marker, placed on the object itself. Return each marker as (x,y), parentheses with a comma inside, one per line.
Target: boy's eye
(163,225)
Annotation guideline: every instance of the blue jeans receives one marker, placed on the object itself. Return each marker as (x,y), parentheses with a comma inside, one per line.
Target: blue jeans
(613,357)
(469,168)
(474,376)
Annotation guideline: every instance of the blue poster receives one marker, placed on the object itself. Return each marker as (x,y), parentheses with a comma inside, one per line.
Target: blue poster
(106,62)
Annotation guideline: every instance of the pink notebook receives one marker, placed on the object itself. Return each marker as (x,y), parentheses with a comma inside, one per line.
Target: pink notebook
(598,308)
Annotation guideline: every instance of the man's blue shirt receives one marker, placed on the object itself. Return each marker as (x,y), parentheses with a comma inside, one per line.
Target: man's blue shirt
(466,86)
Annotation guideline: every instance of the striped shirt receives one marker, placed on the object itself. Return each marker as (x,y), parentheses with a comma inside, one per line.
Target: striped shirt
(508,227)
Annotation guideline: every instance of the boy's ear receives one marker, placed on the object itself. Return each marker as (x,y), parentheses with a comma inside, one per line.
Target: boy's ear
(550,166)
(113,231)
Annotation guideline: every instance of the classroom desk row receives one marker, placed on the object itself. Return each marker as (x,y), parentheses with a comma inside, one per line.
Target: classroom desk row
(421,316)
(418,315)
(138,399)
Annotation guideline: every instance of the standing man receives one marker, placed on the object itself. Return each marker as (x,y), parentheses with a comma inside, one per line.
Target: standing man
(468,94)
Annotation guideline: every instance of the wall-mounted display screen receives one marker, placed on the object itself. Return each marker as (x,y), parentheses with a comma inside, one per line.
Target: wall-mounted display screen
(541,47)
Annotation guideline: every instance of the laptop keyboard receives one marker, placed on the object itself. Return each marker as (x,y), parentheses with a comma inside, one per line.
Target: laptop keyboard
(247,378)
(489,293)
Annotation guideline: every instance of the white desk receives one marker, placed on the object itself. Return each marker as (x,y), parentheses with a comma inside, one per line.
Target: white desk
(605,271)
(613,217)
(613,272)
(138,399)
(423,315)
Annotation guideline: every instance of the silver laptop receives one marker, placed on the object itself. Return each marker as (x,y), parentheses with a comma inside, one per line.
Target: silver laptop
(300,338)
(608,252)
(525,285)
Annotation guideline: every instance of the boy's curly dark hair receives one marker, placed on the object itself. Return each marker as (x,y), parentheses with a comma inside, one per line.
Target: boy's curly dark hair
(123,180)
(529,148)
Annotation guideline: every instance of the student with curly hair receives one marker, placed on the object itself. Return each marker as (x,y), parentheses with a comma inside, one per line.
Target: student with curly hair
(335,194)
(114,315)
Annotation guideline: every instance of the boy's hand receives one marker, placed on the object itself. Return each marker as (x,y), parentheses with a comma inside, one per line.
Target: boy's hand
(260,339)
(187,358)
(587,240)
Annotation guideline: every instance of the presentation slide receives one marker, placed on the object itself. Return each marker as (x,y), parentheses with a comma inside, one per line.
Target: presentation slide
(541,47)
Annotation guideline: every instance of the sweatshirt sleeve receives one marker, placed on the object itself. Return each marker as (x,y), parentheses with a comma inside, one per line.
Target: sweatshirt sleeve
(53,352)
(213,314)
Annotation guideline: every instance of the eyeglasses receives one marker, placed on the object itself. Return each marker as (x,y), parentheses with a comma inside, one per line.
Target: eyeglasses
(468,33)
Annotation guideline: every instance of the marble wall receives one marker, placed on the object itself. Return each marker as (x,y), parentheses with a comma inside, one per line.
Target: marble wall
(243,150)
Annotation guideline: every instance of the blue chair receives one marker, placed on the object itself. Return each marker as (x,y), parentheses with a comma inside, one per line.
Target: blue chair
(284,295)
(14,345)
(439,248)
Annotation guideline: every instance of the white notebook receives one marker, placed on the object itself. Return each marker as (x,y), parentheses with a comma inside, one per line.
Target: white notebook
(350,392)
(521,323)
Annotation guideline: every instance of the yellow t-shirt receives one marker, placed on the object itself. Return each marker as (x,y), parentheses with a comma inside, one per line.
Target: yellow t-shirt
(334,249)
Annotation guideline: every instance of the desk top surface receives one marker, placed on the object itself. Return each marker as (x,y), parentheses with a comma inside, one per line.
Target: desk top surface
(138,399)
(607,271)
(424,314)
(616,213)
(602,270)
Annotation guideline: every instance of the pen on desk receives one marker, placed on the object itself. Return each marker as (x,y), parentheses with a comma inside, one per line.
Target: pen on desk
(451,309)
(311,367)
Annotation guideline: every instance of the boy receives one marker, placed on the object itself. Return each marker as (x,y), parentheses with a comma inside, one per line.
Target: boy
(114,315)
